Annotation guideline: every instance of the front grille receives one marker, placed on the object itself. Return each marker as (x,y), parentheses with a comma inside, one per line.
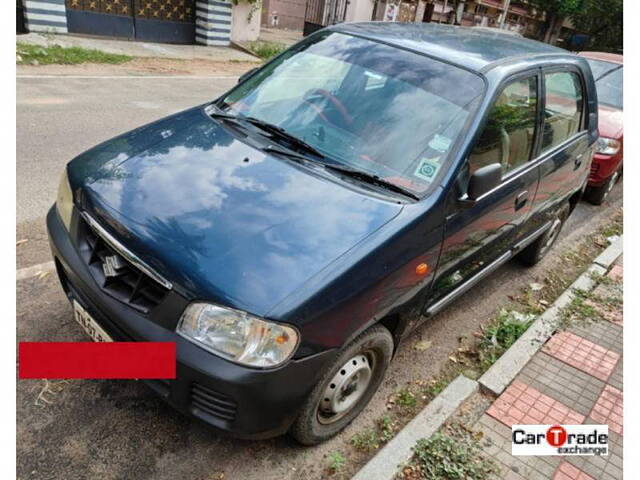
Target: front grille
(129,284)
(213,403)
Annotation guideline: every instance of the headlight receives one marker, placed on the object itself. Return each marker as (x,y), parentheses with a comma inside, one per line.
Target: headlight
(607,146)
(64,201)
(238,336)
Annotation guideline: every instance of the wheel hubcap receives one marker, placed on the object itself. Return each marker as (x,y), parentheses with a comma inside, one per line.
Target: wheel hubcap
(344,390)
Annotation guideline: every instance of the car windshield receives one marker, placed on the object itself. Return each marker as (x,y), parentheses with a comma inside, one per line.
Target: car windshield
(600,67)
(374,108)
(610,89)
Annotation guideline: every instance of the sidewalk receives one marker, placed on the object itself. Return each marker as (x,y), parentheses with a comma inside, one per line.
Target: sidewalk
(279,35)
(575,378)
(140,49)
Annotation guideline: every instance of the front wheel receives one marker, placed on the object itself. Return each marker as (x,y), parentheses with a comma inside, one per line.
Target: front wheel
(345,388)
(597,195)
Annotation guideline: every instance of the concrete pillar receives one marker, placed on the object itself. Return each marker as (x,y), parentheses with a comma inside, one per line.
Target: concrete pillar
(213,22)
(45,16)
(245,23)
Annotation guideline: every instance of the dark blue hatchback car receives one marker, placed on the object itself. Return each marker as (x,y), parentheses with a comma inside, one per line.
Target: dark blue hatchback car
(288,235)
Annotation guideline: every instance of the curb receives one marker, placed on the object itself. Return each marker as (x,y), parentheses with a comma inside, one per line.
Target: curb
(501,373)
(384,465)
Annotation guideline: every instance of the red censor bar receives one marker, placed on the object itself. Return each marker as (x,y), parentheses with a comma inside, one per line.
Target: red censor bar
(97,359)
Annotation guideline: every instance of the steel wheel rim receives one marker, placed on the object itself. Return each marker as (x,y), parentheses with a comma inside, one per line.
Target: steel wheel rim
(554,230)
(346,388)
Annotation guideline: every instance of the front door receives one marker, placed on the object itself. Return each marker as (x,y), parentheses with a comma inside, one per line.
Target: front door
(479,237)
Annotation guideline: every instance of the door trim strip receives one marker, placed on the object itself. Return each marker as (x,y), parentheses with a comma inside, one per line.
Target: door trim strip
(440,304)
(530,238)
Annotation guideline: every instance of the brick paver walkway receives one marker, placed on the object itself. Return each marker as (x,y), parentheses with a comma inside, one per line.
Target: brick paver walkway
(575,378)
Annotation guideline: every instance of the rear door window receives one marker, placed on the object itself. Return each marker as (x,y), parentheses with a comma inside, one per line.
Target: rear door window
(509,134)
(563,108)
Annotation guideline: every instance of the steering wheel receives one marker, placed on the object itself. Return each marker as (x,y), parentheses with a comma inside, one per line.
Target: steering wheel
(348,119)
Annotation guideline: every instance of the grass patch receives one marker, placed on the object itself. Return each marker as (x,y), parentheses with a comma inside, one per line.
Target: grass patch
(27,54)
(372,439)
(613,229)
(450,457)
(266,50)
(501,333)
(337,462)
(434,387)
(406,399)
(366,441)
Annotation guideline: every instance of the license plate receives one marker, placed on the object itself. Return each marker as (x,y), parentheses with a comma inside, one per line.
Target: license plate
(95,331)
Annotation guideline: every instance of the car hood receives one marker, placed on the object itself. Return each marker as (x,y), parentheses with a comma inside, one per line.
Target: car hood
(224,221)
(610,121)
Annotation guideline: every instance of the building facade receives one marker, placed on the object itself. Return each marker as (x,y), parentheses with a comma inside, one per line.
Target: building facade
(520,17)
(208,22)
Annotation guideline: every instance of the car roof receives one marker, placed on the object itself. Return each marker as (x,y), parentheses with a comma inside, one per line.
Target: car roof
(603,56)
(474,49)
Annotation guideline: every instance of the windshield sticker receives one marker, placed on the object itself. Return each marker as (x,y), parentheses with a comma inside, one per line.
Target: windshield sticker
(427,169)
(440,143)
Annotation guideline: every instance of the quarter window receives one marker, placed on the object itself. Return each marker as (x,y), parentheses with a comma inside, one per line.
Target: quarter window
(508,136)
(563,108)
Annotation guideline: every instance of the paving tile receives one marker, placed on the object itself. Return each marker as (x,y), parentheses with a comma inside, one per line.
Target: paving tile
(608,409)
(582,354)
(616,273)
(562,382)
(566,471)
(598,467)
(615,379)
(606,334)
(522,404)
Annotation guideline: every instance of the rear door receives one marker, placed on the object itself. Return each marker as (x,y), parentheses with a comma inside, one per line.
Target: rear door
(479,237)
(564,151)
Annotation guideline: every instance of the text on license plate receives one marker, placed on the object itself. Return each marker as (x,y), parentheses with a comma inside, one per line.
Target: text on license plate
(95,331)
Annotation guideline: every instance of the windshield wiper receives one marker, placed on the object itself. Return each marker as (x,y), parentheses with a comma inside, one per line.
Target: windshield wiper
(370,179)
(285,152)
(282,133)
(214,111)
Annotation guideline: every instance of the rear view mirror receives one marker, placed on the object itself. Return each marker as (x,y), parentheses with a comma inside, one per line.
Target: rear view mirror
(484,180)
(246,75)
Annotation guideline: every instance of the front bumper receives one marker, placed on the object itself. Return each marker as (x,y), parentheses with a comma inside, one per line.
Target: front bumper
(246,402)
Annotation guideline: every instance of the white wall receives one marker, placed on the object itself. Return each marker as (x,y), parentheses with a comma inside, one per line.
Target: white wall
(241,29)
(359,11)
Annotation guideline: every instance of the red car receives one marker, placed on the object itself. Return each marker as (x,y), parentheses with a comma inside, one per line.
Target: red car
(606,168)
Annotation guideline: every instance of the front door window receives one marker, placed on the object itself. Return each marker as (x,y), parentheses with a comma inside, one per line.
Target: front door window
(509,133)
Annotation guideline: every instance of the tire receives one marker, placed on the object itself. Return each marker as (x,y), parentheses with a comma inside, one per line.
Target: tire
(318,419)
(533,253)
(597,195)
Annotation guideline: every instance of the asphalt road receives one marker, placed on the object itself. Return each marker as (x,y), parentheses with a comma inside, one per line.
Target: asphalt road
(59,117)
(119,429)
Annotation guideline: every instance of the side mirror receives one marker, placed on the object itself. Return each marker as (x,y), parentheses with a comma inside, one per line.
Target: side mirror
(484,180)
(246,75)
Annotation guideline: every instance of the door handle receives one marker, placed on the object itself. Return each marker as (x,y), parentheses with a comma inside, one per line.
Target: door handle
(578,161)
(521,200)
